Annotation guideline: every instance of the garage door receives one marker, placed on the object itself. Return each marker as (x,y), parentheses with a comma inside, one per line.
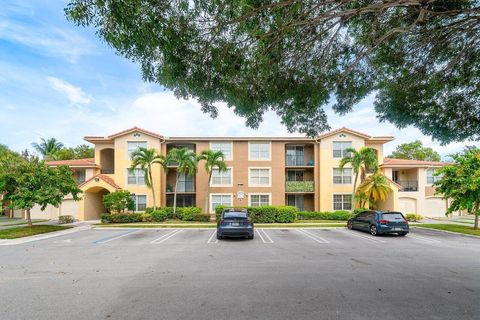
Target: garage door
(408,205)
(435,207)
(70,207)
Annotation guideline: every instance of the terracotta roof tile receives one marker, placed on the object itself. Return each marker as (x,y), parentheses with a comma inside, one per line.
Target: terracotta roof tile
(104,178)
(86,162)
(406,162)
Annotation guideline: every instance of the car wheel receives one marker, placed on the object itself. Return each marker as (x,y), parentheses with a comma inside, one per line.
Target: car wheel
(373,230)
(402,234)
(219,236)
(250,237)
(349,225)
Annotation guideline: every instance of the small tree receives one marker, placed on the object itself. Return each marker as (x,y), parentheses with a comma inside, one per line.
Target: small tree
(213,160)
(30,182)
(460,183)
(375,188)
(361,160)
(118,201)
(415,151)
(187,165)
(48,147)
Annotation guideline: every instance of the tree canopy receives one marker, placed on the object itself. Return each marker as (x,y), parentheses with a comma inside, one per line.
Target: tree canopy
(415,151)
(420,57)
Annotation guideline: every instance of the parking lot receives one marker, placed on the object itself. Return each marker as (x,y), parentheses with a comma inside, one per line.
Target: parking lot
(281,274)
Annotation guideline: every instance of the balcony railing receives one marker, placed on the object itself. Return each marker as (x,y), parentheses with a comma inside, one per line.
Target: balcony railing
(107,171)
(408,185)
(297,161)
(299,186)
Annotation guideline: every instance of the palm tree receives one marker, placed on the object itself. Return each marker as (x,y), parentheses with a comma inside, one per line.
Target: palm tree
(186,161)
(375,188)
(213,160)
(48,147)
(144,159)
(365,158)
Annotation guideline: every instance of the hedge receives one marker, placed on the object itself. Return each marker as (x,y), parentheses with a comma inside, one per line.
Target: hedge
(266,214)
(201,217)
(121,217)
(325,215)
(66,219)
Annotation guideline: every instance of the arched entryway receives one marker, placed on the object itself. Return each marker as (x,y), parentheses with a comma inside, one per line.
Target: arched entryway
(92,203)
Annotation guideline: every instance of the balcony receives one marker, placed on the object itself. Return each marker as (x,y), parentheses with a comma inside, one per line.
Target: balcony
(107,171)
(408,185)
(296,161)
(299,186)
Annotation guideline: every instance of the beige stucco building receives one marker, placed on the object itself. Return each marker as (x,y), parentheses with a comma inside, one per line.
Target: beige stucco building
(294,171)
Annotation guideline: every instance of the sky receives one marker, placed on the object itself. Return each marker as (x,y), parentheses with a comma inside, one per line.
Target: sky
(60,80)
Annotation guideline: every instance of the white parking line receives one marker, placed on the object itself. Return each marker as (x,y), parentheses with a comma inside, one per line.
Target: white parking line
(167,236)
(211,237)
(422,238)
(269,240)
(313,236)
(356,233)
(108,239)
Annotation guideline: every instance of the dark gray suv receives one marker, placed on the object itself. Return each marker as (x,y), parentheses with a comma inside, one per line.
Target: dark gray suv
(235,223)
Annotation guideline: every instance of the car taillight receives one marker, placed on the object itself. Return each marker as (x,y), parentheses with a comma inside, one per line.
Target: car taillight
(383,221)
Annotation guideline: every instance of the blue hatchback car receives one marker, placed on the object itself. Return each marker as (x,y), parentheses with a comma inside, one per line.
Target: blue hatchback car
(379,222)
(235,223)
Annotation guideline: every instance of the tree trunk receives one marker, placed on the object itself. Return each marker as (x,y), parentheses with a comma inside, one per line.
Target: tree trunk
(175,194)
(354,189)
(207,194)
(477,212)
(153,189)
(29,218)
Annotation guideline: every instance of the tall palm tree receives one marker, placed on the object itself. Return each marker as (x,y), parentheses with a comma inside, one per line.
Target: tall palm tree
(144,159)
(47,147)
(375,188)
(213,160)
(361,160)
(186,161)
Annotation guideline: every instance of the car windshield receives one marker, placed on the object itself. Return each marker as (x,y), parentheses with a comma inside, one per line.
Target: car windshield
(235,215)
(392,216)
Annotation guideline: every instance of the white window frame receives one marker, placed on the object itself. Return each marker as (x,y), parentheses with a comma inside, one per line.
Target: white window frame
(225,142)
(342,149)
(129,155)
(260,185)
(343,195)
(260,142)
(136,176)
(210,202)
(343,176)
(223,185)
(259,194)
(136,203)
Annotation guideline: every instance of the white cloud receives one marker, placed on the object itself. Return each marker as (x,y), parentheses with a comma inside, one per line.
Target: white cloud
(75,95)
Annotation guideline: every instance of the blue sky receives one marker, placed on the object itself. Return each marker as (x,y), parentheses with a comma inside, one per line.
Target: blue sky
(59,80)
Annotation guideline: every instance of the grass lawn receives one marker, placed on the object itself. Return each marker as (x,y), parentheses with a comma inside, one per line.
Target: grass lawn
(14,222)
(451,227)
(21,232)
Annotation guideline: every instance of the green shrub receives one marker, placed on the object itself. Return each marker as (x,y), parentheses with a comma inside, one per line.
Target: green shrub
(218,212)
(65,219)
(324,215)
(413,217)
(286,214)
(160,215)
(189,212)
(118,201)
(147,217)
(201,217)
(148,209)
(263,214)
(121,217)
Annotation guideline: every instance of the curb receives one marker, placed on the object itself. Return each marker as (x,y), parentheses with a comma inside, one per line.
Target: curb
(10,242)
(451,232)
(200,228)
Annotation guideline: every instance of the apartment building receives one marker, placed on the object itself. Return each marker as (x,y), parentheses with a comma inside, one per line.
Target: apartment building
(295,171)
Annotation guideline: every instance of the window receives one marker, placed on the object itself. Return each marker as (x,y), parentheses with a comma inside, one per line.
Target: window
(295,175)
(80,176)
(185,183)
(431,177)
(183,200)
(134,145)
(296,200)
(258,200)
(223,178)
(225,147)
(342,202)
(220,200)
(136,176)
(339,148)
(259,151)
(295,156)
(342,176)
(259,177)
(140,202)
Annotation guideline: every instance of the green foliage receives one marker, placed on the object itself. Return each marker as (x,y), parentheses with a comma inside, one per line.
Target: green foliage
(460,182)
(118,201)
(375,188)
(201,217)
(160,215)
(121,217)
(299,186)
(413,217)
(187,213)
(79,152)
(147,217)
(419,57)
(286,214)
(48,147)
(324,215)
(265,214)
(415,151)
(66,219)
